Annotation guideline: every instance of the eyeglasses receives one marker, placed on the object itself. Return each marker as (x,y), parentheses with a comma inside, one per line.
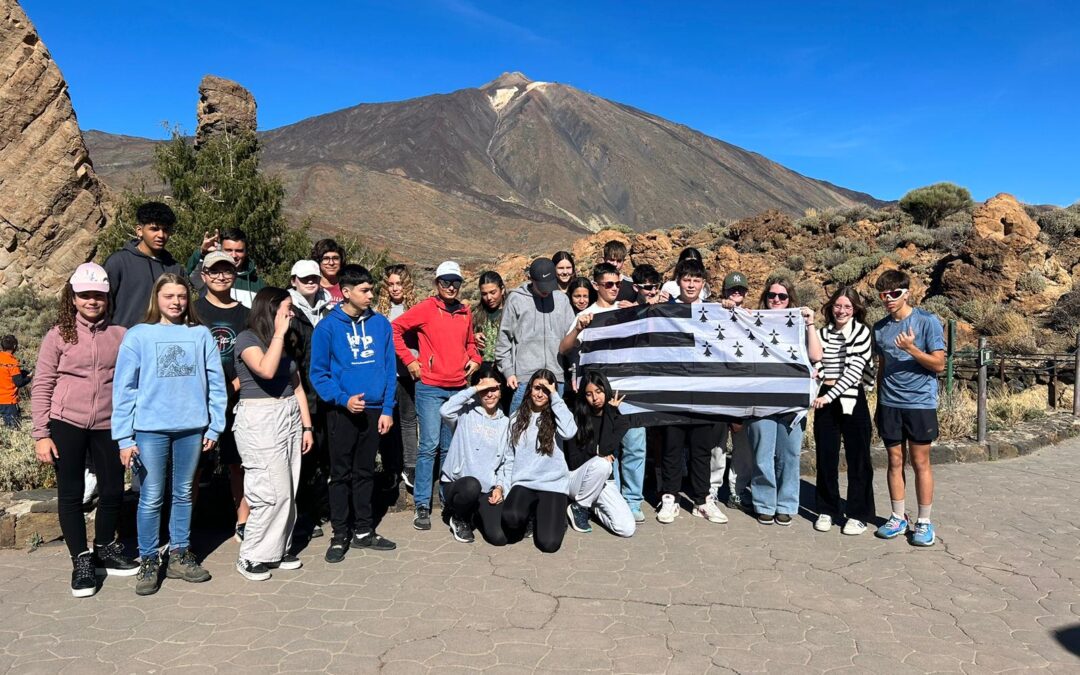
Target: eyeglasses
(776,296)
(220,274)
(444,283)
(648,287)
(607,284)
(330,259)
(895,294)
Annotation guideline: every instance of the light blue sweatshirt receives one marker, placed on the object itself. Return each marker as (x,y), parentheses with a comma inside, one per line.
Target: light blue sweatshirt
(480,442)
(168,378)
(528,467)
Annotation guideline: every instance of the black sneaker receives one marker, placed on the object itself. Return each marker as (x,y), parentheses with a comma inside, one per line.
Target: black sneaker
(336,552)
(783,519)
(182,564)
(83,579)
(252,571)
(462,531)
(287,562)
(765,519)
(316,532)
(373,541)
(111,560)
(240,532)
(422,521)
(148,578)
(408,476)
(579,517)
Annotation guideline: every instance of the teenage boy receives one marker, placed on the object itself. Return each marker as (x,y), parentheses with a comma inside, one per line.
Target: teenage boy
(535,320)
(910,347)
(695,439)
(742,456)
(631,468)
(615,255)
(226,318)
(442,326)
(12,378)
(133,269)
(646,284)
(331,258)
(354,373)
(232,242)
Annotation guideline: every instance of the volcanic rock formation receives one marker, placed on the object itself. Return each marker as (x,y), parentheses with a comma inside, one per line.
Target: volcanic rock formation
(224,107)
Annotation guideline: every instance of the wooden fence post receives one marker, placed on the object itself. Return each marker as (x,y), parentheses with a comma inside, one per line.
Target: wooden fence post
(981,414)
(1076,378)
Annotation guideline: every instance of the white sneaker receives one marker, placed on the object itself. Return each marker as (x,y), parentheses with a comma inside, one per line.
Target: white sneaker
(710,511)
(823,523)
(669,509)
(854,527)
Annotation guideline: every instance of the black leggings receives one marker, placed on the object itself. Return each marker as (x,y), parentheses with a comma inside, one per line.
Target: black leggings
(830,426)
(699,440)
(550,511)
(73,445)
(466,501)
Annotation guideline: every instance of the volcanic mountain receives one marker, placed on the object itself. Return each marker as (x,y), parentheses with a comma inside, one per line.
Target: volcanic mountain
(514,165)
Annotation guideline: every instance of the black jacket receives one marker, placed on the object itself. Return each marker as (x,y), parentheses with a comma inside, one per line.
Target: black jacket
(132,274)
(608,431)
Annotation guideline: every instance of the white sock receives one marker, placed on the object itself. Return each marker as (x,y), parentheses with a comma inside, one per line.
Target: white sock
(898,509)
(924,513)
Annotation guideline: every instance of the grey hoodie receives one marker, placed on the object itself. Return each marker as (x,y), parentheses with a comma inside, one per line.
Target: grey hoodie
(531,330)
(480,442)
(132,274)
(527,467)
(313,313)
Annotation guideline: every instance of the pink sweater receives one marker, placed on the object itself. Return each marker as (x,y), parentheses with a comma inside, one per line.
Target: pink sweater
(73,382)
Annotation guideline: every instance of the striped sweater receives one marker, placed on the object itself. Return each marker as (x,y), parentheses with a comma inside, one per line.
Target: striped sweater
(848,360)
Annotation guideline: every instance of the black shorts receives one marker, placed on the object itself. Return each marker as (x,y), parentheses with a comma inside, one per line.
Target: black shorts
(896,425)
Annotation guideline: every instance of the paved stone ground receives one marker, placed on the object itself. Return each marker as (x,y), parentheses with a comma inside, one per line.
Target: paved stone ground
(998,593)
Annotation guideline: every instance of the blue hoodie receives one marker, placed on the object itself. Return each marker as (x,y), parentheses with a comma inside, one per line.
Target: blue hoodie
(354,356)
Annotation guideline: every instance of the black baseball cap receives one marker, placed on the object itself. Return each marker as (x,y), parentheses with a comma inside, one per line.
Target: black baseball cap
(542,275)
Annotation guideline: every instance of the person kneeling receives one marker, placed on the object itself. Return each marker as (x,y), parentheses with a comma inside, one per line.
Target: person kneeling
(475,471)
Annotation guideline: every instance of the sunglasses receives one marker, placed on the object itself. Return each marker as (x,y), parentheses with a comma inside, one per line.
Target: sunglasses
(455,284)
(895,294)
(776,296)
(736,291)
(607,284)
(648,287)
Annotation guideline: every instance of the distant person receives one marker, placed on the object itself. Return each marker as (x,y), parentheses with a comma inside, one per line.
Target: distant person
(273,429)
(581,293)
(226,318)
(910,346)
(476,475)
(487,314)
(670,288)
(233,243)
(71,403)
(842,413)
(565,270)
(442,327)
(168,407)
(615,254)
(12,378)
(134,268)
(397,296)
(331,258)
(534,322)
(353,371)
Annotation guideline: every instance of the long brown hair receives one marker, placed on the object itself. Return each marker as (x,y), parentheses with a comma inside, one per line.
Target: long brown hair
(858,307)
(153,312)
(789,286)
(545,435)
(65,316)
(407,288)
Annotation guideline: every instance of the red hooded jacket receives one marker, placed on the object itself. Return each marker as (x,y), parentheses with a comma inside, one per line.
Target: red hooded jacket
(446,341)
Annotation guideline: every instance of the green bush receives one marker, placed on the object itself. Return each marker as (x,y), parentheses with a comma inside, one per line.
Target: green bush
(19,468)
(1065,316)
(796,263)
(830,257)
(941,306)
(1031,282)
(855,268)
(28,316)
(931,204)
(1060,224)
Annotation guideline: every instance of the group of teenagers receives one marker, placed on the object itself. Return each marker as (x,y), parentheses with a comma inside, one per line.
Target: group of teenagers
(152,364)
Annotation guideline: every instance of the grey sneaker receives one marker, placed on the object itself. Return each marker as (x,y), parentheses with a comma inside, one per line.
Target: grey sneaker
(183,565)
(461,531)
(422,521)
(148,579)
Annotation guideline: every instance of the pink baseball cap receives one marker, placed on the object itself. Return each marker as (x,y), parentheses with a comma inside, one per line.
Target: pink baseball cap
(89,277)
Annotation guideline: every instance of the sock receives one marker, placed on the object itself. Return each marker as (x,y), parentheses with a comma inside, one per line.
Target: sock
(924,513)
(898,509)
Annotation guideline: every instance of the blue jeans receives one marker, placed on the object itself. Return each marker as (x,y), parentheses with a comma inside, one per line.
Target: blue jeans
(433,433)
(774,486)
(155,450)
(519,394)
(631,469)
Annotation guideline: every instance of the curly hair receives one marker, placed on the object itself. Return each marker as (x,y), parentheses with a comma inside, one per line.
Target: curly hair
(545,435)
(65,316)
(409,290)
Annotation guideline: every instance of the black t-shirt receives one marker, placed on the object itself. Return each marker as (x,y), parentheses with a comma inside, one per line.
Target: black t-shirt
(224,325)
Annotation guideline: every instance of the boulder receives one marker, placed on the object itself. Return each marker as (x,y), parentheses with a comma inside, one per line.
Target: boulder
(52,205)
(1002,217)
(224,107)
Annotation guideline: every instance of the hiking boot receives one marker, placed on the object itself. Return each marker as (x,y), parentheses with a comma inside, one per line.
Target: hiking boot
(710,511)
(239,536)
(422,521)
(83,579)
(148,578)
(336,552)
(287,562)
(252,571)
(924,535)
(579,518)
(853,527)
(823,523)
(783,519)
(374,542)
(111,560)
(669,509)
(462,531)
(893,527)
(183,565)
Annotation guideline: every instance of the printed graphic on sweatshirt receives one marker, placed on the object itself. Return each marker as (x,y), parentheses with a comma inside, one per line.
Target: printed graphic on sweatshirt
(175,359)
(360,344)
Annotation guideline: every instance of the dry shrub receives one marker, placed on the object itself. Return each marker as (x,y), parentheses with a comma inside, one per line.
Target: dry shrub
(19,467)
(1009,331)
(957,413)
(1005,409)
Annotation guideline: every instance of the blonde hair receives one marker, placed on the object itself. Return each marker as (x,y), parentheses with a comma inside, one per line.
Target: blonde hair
(153,312)
(408,289)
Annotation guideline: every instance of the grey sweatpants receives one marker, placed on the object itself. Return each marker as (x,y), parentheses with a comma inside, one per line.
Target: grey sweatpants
(269,435)
(591,488)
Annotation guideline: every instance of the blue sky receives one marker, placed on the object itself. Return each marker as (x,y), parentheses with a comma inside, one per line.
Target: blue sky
(874,96)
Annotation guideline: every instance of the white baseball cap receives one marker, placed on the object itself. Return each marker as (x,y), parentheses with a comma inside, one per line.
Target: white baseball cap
(448,269)
(305,268)
(89,277)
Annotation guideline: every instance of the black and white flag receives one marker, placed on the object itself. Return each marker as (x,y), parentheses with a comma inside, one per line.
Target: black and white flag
(676,362)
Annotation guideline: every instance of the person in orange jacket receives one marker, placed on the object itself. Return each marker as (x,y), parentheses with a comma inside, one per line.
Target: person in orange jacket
(12,378)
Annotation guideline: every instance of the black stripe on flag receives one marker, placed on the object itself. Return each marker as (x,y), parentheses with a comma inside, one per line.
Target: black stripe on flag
(700,369)
(674,310)
(640,340)
(725,398)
